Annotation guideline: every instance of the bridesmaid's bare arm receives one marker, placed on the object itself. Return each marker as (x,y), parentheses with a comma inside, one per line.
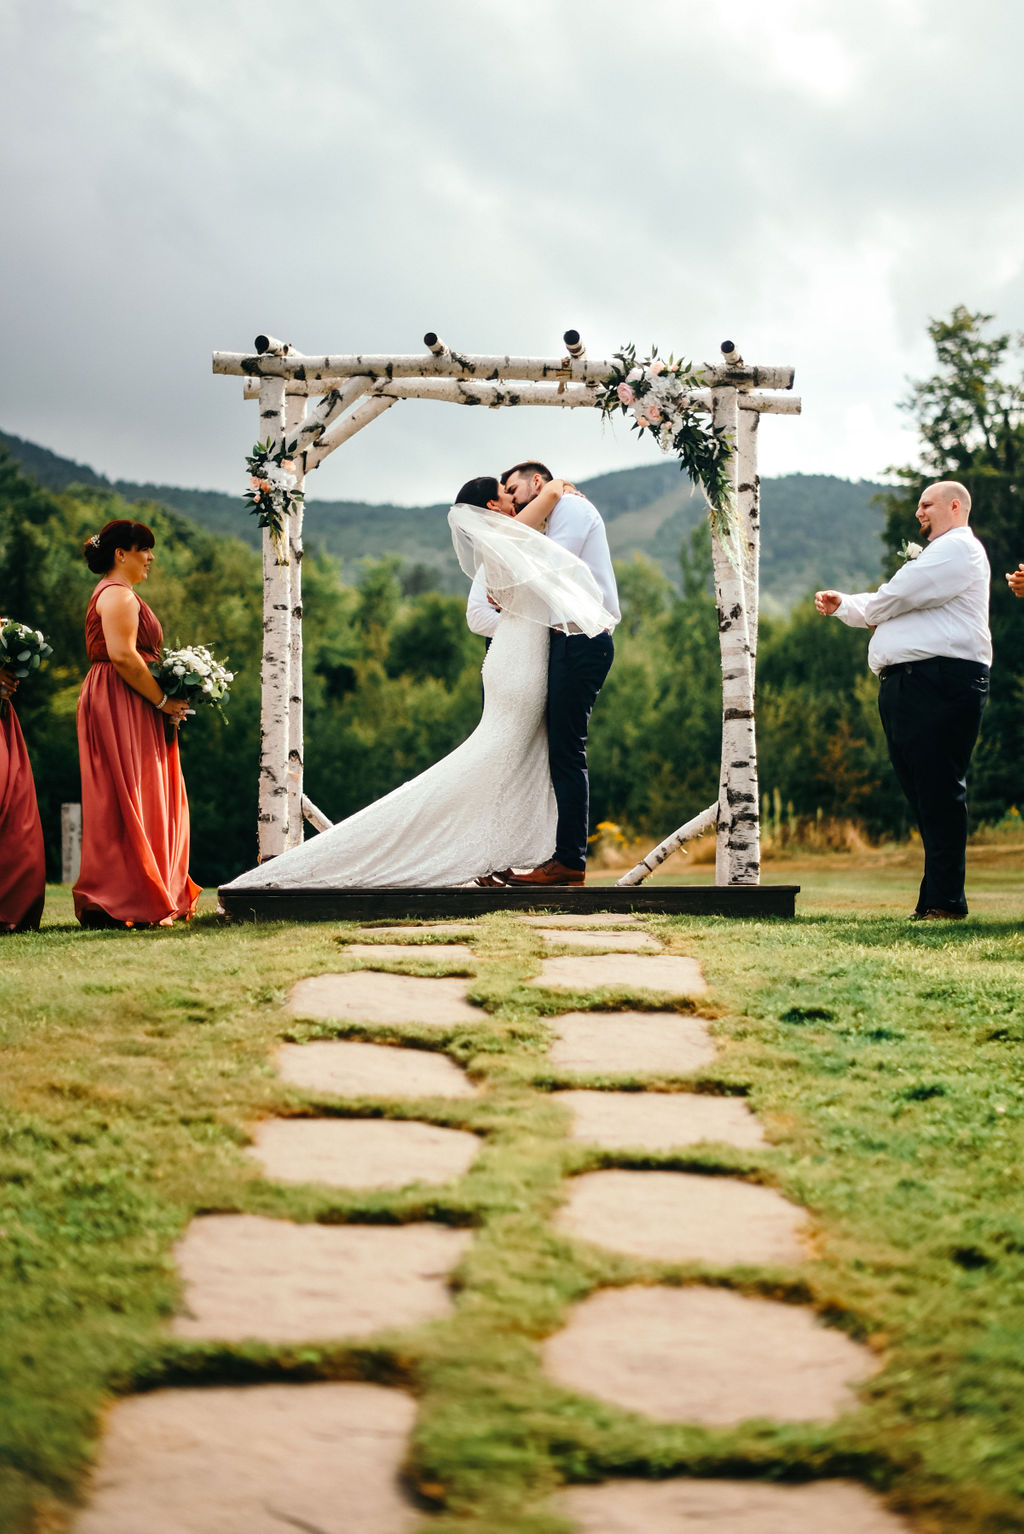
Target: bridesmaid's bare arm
(119,614)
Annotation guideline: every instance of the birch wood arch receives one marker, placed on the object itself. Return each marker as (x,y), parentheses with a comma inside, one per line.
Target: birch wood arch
(315,403)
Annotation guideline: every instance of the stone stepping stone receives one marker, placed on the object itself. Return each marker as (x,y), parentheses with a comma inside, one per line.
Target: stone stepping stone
(366,996)
(659,1120)
(624,942)
(433,953)
(362,1153)
(247,1277)
(256,1460)
(726,1507)
(346,1068)
(630,1043)
(668,973)
(683,1217)
(706,1355)
(580,919)
(421,929)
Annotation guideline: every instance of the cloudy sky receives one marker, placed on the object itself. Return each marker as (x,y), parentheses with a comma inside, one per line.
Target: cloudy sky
(812,181)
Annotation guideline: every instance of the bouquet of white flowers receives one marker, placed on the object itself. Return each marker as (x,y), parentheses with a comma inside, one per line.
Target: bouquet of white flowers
(193,674)
(22,650)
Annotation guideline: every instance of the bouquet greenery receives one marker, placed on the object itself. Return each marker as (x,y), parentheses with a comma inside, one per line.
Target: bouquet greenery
(656,394)
(192,673)
(22,650)
(272,495)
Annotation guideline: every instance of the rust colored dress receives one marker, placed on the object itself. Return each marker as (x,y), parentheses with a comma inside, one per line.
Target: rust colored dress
(135,827)
(22,865)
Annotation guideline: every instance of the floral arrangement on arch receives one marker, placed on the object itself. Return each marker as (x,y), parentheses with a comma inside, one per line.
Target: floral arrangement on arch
(272,495)
(656,394)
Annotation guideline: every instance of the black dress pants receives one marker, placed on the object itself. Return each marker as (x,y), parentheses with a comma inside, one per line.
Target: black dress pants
(931,713)
(577,666)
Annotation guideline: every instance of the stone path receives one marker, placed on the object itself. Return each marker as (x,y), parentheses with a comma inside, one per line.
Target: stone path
(327,1457)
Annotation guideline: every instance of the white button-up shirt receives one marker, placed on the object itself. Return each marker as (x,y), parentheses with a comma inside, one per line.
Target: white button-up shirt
(576,524)
(936,604)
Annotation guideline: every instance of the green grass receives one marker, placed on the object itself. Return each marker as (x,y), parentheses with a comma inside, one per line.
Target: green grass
(884,1059)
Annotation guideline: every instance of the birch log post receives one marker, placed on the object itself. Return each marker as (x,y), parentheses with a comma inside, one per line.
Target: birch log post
(748,513)
(276,673)
(295,408)
(738,858)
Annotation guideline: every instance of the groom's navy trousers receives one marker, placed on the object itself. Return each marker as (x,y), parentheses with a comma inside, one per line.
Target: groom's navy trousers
(577,666)
(931,713)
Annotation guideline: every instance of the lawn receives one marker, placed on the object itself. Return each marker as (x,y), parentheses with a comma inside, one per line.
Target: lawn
(883,1057)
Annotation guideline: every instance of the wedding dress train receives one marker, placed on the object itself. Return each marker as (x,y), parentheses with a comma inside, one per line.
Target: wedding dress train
(487,805)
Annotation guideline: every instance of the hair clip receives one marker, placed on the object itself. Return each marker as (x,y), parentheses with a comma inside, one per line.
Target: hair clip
(95,540)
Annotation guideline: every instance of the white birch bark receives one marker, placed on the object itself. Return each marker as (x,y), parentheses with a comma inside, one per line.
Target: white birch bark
(294,412)
(764,404)
(455,365)
(316,817)
(334,404)
(738,856)
(347,427)
(748,515)
(276,672)
(695,827)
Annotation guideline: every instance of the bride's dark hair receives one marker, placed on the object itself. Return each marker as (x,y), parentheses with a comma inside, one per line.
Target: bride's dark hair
(477,492)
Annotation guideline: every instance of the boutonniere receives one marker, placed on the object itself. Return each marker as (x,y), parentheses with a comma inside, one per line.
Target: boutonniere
(911,550)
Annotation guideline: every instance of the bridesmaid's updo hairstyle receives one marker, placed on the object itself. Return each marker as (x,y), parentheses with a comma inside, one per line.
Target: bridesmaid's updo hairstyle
(477,492)
(98,551)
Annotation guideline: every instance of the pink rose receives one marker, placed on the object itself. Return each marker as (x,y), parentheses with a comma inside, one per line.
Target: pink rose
(634,374)
(642,418)
(654,411)
(625,393)
(657,367)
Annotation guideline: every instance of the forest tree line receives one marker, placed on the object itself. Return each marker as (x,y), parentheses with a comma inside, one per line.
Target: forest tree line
(392,672)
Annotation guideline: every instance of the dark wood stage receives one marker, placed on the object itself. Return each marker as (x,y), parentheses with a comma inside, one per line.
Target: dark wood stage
(750,900)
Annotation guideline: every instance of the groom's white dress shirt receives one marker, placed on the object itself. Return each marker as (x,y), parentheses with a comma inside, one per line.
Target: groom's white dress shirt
(936,604)
(576,524)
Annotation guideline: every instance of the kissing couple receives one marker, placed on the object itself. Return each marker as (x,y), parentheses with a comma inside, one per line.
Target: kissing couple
(515,795)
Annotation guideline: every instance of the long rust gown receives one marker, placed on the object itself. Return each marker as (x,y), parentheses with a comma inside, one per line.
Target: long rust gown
(135,826)
(22,865)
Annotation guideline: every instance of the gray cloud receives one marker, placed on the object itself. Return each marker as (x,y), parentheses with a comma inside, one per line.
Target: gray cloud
(812,182)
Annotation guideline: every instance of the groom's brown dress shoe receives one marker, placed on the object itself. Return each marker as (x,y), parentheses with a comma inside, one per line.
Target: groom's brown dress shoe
(550,872)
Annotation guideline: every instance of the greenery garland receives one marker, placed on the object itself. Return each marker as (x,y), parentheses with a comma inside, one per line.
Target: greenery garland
(657,396)
(272,495)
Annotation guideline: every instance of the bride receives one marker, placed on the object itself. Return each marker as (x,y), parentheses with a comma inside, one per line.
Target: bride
(489,804)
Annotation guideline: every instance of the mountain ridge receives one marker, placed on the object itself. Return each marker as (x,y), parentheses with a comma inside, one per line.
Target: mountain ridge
(817,529)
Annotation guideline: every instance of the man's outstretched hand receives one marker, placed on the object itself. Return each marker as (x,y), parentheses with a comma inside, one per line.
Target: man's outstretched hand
(826,602)
(1015,580)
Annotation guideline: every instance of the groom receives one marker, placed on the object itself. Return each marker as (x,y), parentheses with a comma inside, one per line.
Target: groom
(577,667)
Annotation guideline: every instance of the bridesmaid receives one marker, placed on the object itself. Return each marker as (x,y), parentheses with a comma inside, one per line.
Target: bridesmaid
(135,827)
(22,865)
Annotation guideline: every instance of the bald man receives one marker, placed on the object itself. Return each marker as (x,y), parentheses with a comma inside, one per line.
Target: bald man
(932,649)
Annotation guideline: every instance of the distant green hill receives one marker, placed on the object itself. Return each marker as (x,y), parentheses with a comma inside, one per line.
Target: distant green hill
(817,530)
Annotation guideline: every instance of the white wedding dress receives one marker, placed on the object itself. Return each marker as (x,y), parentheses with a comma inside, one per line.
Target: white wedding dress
(489,804)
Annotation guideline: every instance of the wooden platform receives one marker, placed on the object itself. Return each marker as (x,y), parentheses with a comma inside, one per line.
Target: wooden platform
(428,904)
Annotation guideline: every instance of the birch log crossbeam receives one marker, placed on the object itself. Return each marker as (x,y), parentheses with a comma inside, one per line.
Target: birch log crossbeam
(453,365)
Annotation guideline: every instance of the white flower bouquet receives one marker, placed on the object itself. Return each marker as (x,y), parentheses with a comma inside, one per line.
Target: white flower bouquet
(22,650)
(192,673)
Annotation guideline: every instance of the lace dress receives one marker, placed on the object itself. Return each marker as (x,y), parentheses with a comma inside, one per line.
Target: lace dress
(487,805)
